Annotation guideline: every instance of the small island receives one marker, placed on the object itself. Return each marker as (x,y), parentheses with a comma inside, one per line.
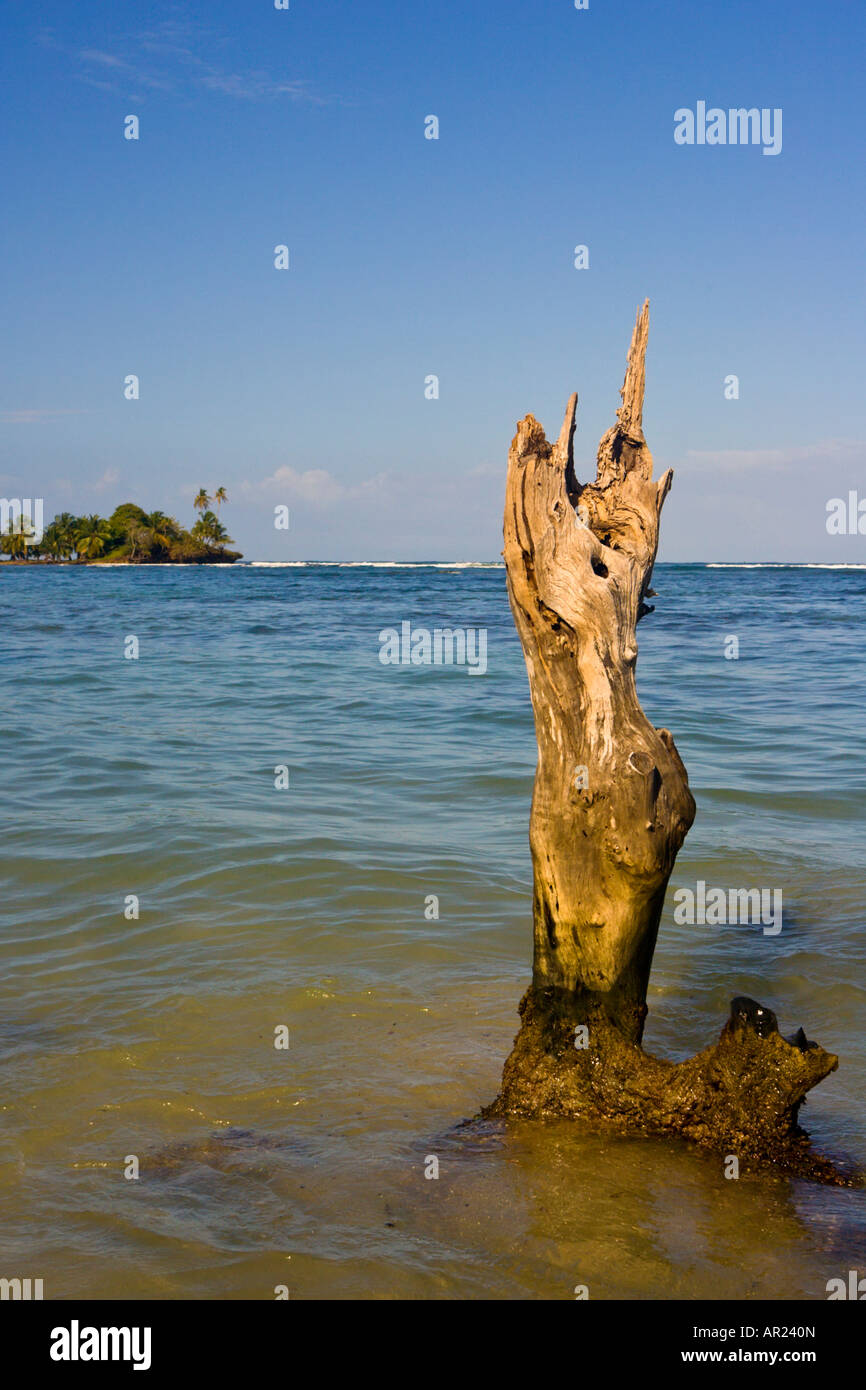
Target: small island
(130,536)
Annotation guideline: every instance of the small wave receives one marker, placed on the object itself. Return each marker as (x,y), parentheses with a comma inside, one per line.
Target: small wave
(780,565)
(373,564)
(158,565)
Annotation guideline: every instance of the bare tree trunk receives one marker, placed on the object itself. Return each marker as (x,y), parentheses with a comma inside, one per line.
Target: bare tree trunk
(610,809)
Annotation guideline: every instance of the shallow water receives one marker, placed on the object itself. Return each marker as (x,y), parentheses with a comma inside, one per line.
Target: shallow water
(306,908)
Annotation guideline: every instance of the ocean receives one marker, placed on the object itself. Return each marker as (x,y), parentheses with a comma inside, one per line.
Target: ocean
(266,919)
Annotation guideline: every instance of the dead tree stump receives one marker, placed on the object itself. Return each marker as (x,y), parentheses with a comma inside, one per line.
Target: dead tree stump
(610,809)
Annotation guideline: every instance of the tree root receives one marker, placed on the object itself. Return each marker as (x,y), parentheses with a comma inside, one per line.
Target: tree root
(739,1097)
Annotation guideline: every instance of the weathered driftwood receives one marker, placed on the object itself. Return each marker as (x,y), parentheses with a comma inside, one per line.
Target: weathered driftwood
(610,809)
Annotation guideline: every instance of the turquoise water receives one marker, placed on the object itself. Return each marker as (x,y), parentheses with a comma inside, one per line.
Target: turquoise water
(305,908)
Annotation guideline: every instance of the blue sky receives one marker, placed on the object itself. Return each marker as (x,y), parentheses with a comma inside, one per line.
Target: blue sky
(412,257)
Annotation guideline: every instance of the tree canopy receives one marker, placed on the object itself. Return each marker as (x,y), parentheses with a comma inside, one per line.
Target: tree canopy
(129,535)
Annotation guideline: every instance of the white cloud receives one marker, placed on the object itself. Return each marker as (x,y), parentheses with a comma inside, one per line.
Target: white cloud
(94,55)
(34,416)
(254,86)
(771,460)
(108,480)
(169,58)
(315,485)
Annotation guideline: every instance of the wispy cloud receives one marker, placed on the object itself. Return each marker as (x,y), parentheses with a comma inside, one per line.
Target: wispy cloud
(34,416)
(255,86)
(180,57)
(315,485)
(778,459)
(93,55)
(106,481)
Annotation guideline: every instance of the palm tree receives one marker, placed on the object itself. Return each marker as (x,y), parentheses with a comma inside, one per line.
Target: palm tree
(68,527)
(14,542)
(52,542)
(160,529)
(59,538)
(202,500)
(92,536)
(220,496)
(211,531)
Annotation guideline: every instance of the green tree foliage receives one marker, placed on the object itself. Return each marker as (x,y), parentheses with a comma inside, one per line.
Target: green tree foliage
(59,539)
(129,534)
(124,517)
(92,537)
(210,530)
(14,541)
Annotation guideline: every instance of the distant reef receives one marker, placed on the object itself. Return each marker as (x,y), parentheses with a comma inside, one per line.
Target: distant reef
(129,536)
